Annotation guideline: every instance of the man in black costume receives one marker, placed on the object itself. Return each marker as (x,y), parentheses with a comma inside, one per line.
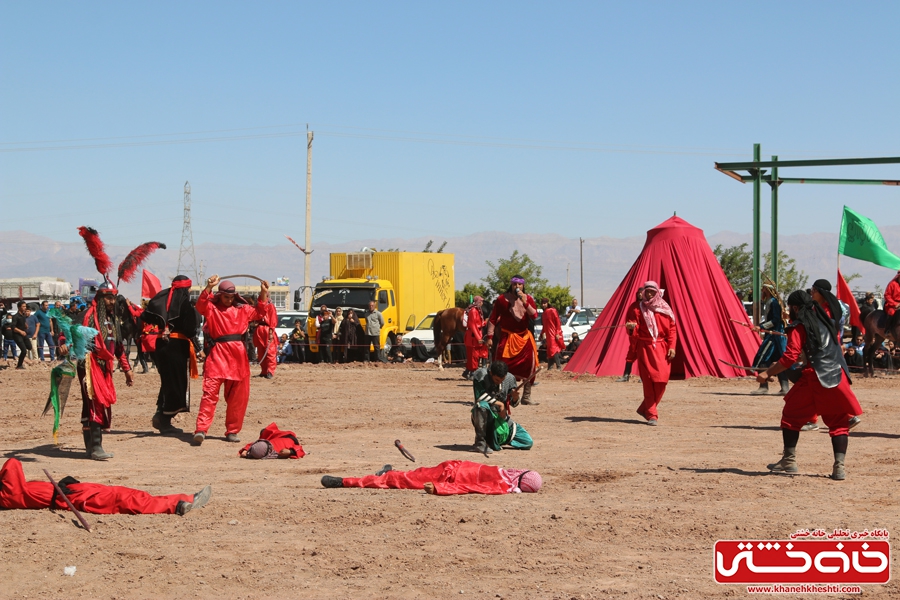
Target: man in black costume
(177,319)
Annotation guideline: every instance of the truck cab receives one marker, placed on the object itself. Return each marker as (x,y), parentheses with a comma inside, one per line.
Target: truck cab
(355,295)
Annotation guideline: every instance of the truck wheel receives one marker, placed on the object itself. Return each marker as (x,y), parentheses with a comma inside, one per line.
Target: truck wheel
(389,343)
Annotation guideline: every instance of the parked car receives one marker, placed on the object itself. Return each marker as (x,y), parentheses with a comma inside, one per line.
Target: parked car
(422,331)
(580,322)
(286,322)
(748,308)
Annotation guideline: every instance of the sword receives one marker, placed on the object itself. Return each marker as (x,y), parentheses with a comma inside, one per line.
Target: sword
(242,275)
(751,369)
(69,502)
(749,326)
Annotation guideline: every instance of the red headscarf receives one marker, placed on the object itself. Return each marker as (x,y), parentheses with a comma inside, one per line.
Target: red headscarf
(656,305)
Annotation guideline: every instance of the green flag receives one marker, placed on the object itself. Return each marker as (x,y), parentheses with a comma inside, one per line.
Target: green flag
(861,239)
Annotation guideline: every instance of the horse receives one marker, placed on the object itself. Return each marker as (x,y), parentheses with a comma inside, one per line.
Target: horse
(129,327)
(875,323)
(446,323)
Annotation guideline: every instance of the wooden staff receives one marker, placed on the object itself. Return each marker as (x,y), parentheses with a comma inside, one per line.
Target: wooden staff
(69,502)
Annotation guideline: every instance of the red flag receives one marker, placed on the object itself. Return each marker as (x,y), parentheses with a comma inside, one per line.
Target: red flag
(150,285)
(846,296)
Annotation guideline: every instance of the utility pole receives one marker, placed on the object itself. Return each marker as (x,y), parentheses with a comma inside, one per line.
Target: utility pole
(581,259)
(567,274)
(187,261)
(307,297)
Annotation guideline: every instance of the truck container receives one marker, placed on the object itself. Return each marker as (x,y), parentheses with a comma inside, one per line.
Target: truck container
(405,287)
(35,289)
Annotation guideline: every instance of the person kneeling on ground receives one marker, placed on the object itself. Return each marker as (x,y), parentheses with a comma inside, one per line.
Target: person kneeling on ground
(495,391)
(94,498)
(446,479)
(274,443)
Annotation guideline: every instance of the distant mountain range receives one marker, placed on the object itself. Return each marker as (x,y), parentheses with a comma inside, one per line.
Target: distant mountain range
(606,259)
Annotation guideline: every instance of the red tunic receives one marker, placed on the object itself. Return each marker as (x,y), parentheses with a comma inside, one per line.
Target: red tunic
(94,498)
(650,355)
(516,345)
(892,297)
(280,440)
(808,398)
(449,478)
(266,341)
(552,331)
(228,360)
(475,350)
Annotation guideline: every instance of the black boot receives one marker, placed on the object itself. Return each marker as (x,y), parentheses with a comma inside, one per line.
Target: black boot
(97,452)
(163,423)
(86,434)
(332,482)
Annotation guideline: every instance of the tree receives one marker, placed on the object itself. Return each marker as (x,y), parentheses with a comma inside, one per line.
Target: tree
(438,251)
(469,291)
(737,262)
(560,296)
(789,280)
(499,275)
(849,278)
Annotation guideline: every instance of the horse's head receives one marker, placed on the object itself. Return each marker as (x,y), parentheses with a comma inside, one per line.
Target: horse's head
(127,322)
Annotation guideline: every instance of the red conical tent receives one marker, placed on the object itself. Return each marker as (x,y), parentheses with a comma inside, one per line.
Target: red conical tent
(677,256)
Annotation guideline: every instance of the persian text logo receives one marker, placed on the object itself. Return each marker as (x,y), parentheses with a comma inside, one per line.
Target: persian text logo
(802,561)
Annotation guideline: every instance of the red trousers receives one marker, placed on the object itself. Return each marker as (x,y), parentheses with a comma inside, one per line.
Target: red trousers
(95,498)
(237,393)
(449,477)
(267,363)
(653,393)
(473,353)
(807,398)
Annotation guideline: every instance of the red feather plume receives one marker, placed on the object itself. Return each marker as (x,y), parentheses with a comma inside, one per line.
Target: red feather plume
(129,266)
(95,248)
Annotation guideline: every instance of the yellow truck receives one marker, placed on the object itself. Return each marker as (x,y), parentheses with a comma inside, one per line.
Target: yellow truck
(405,286)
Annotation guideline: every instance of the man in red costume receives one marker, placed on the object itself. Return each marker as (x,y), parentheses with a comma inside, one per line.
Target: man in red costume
(513,312)
(95,372)
(476,350)
(227,318)
(823,387)
(446,479)
(651,325)
(266,342)
(551,331)
(16,493)
(892,303)
(274,443)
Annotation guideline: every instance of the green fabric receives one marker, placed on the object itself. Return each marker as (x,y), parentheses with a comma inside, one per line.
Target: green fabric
(499,431)
(861,239)
(60,379)
(521,440)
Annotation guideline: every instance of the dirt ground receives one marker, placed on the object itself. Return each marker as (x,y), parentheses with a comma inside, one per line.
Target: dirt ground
(626,510)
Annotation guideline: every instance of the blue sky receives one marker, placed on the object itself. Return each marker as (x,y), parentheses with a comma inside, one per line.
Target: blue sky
(435,119)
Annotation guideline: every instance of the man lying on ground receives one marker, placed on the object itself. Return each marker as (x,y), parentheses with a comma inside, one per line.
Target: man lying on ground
(94,498)
(274,443)
(446,479)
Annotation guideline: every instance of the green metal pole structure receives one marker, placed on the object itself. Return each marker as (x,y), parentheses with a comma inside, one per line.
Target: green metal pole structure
(757,179)
(774,261)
